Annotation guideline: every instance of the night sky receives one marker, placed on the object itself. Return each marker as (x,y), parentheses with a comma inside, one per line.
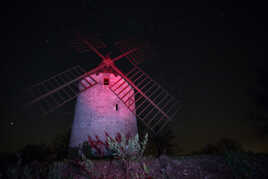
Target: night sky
(210,55)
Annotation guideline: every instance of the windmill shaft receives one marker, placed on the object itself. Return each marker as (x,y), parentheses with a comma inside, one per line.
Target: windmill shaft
(144,100)
(136,88)
(66,84)
(124,54)
(140,88)
(55,90)
(151,112)
(166,122)
(94,49)
(55,76)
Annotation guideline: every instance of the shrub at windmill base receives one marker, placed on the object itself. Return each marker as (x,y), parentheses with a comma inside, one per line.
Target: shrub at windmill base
(127,148)
(122,147)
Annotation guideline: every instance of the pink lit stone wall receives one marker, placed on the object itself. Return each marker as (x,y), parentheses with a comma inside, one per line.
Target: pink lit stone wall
(95,112)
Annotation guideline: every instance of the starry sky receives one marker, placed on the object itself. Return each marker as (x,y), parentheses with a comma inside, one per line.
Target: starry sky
(207,54)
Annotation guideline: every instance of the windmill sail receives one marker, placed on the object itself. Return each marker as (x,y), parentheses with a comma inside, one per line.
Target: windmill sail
(50,94)
(81,47)
(144,97)
(154,106)
(137,57)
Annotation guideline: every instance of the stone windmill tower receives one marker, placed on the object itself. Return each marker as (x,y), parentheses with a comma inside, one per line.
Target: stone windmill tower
(107,99)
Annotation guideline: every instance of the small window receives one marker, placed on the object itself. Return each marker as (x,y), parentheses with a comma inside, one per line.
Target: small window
(106,81)
(116,107)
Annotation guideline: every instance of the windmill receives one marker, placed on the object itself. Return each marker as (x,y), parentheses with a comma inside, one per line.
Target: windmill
(108,100)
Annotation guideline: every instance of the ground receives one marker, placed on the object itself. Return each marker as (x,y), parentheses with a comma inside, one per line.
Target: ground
(187,167)
(231,166)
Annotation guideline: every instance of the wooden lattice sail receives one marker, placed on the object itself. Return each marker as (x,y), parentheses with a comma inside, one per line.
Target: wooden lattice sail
(111,96)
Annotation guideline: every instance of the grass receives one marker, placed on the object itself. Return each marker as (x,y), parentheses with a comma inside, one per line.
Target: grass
(245,164)
(126,151)
(242,165)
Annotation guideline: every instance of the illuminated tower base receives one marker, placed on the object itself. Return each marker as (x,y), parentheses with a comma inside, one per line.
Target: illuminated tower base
(99,110)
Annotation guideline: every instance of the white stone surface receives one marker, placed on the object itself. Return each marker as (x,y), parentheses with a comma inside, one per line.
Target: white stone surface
(95,112)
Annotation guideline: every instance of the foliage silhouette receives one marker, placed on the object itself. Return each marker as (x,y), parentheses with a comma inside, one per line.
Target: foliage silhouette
(34,152)
(60,145)
(163,143)
(221,146)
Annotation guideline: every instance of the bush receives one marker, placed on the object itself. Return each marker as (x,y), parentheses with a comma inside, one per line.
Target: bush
(60,145)
(124,148)
(34,152)
(163,143)
(244,165)
(220,147)
(127,149)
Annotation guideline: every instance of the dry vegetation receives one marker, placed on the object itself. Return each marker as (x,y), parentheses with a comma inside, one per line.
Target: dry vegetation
(225,159)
